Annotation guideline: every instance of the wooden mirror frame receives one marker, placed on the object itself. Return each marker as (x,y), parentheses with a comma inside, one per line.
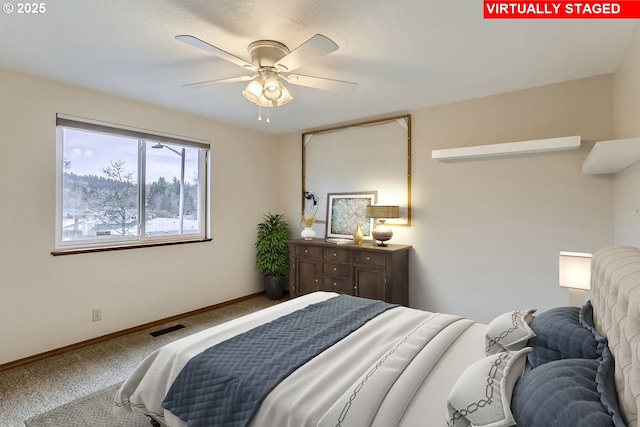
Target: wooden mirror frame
(405,207)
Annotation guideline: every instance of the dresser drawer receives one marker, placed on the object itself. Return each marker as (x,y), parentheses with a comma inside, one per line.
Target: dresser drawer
(370,258)
(334,284)
(309,251)
(336,270)
(336,255)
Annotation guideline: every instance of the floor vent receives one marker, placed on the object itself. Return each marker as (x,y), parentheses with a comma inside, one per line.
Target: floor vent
(166,330)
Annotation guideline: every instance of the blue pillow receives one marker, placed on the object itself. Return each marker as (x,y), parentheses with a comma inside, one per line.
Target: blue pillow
(561,335)
(585,317)
(562,393)
(606,386)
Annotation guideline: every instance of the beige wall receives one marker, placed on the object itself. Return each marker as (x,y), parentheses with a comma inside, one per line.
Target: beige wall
(46,301)
(627,120)
(486,233)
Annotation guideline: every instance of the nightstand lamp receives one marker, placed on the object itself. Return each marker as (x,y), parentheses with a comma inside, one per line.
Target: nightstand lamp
(575,275)
(381,231)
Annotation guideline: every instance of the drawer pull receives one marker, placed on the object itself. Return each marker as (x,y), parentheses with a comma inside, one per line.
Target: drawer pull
(335,269)
(368,258)
(306,251)
(335,254)
(335,284)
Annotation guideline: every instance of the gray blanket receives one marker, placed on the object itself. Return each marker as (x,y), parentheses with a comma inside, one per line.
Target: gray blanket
(225,384)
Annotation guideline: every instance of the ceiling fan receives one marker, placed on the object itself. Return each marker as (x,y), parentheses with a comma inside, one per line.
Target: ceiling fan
(272,62)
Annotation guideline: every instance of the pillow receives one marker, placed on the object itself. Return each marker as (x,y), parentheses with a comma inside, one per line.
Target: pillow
(565,393)
(606,386)
(509,331)
(585,317)
(560,335)
(482,394)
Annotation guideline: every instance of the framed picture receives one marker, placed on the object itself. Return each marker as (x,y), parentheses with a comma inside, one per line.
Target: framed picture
(346,210)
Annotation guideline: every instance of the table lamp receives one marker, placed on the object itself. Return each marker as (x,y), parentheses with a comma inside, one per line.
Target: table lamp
(575,275)
(381,231)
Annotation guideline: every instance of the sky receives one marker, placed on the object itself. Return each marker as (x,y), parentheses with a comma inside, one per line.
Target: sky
(89,152)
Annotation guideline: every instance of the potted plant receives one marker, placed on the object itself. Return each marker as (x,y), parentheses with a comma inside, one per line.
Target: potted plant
(272,258)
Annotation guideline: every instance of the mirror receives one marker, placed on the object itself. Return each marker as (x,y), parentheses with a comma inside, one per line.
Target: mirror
(362,157)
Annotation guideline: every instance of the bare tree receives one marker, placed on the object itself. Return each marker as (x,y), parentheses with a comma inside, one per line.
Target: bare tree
(120,199)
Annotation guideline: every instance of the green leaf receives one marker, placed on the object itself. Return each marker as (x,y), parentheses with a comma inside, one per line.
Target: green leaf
(272,257)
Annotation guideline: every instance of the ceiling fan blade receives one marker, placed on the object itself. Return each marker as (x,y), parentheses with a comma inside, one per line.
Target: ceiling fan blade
(320,83)
(314,48)
(227,80)
(200,44)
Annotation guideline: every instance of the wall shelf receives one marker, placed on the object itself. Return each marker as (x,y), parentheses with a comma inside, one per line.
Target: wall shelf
(612,156)
(507,149)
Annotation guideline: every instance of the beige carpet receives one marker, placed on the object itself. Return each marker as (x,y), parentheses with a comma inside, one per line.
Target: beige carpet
(36,388)
(94,410)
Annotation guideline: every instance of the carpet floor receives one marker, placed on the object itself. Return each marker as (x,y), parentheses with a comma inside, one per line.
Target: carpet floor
(38,387)
(94,410)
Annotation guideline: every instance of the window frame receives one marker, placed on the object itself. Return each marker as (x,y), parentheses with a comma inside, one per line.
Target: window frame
(63,247)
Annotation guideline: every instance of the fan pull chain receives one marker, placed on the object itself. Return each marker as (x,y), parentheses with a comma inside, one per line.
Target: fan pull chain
(268,119)
(259,113)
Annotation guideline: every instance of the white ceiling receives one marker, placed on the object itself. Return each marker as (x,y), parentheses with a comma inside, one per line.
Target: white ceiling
(404,54)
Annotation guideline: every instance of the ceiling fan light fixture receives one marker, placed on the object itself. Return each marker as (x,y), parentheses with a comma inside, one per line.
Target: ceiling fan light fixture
(253,91)
(270,81)
(272,94)
(256,93)
(285,97)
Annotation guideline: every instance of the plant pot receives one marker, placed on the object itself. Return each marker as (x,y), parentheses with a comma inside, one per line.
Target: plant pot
(273,288)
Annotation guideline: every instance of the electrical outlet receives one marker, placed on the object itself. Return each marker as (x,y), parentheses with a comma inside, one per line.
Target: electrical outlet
(97,314)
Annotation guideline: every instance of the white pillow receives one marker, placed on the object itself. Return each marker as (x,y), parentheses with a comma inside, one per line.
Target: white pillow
(509,331)
(481,396)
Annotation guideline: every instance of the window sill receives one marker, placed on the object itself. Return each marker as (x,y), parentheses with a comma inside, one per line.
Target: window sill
(74,251)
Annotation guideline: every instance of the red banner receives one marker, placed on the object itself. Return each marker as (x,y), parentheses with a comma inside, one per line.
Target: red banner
(501,9)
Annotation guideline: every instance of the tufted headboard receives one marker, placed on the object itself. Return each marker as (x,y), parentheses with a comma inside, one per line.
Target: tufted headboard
(615,296)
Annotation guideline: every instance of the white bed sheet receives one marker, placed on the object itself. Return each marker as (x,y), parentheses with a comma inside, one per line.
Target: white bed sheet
(417,398)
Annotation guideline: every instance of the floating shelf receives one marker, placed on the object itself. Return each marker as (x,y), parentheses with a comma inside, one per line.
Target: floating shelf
(612,156)
(507,149)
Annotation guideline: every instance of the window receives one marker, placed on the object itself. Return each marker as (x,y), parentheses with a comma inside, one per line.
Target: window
(125,187)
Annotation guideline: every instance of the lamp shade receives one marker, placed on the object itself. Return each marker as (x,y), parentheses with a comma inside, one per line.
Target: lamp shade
(253,91)
(263,96)
(575,270)
(380,211)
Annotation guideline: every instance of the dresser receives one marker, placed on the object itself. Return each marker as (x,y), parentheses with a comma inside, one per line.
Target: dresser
(369,271)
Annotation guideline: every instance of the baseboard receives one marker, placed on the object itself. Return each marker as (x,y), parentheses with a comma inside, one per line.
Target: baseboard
(103,338)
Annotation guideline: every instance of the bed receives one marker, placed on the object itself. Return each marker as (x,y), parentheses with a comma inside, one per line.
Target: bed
(326,359)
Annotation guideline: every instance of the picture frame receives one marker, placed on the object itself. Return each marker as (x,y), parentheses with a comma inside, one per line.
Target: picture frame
(346,210)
